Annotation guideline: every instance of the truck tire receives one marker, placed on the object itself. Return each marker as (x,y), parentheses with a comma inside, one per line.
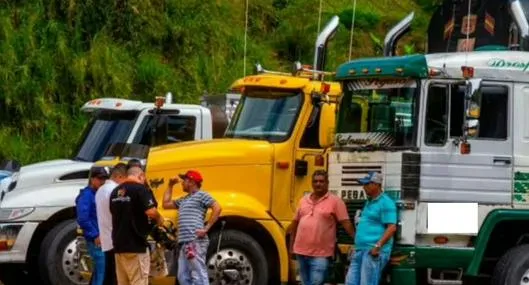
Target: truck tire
(513,267)
(240,260)
(59,243)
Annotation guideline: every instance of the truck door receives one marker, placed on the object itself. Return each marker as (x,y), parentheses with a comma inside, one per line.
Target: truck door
(309,157)
(484,175)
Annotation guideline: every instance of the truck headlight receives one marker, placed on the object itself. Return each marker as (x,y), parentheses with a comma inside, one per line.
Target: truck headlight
(9,214)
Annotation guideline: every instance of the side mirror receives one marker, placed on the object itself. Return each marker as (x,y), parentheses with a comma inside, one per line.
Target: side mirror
(472,113)
(327,125)
(473,86)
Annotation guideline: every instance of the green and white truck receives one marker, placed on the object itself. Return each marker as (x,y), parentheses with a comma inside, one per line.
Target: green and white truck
(450,134)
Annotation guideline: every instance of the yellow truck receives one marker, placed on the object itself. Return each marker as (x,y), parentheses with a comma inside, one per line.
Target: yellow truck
(279,135)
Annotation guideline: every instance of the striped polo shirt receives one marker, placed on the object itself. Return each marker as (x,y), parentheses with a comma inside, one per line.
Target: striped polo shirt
(192,210)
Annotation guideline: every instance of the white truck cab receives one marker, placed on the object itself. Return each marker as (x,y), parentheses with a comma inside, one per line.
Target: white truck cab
(448,132)
(37,209)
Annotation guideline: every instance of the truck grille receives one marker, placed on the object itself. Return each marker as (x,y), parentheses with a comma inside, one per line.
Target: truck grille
(350,173)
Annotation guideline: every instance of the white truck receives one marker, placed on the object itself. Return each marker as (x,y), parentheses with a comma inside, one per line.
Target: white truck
(449,132)
(37,209)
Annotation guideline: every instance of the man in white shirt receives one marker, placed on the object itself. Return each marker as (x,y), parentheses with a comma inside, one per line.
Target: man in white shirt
(118,174)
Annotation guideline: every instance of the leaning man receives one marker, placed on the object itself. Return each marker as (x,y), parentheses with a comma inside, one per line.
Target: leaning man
(374,235)
(313,237)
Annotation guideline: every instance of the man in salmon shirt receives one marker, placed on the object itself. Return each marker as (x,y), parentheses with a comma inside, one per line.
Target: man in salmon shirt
(313,235)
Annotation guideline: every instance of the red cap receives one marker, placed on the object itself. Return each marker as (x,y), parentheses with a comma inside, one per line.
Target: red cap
(192,175)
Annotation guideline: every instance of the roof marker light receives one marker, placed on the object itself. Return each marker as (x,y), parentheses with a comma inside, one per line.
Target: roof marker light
(159,101)
(325,88)
(434,72)
(468,71)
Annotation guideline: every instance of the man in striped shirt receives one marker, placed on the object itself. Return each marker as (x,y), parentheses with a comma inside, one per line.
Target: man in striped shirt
(192,234)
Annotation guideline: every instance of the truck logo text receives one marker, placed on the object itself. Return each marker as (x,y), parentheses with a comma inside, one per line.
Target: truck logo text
(350,140)
(502,63)
(350,195)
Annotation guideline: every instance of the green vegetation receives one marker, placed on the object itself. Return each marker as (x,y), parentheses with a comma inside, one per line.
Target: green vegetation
(57,54)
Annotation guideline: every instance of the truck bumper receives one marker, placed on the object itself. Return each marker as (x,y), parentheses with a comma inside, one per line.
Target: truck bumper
(14,241)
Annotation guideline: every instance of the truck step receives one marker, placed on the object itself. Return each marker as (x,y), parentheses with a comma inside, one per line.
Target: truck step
(445,277)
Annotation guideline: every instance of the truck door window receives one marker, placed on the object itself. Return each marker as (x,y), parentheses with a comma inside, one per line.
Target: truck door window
(493,121)
(179,128)
(436,116)
(311,137)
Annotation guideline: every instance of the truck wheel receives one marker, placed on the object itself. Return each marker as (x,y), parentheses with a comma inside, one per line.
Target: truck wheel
(513,267)
(59,258)
(240,260)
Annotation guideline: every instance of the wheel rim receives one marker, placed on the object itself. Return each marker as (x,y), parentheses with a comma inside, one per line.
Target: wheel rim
(73,261)
(229,267)
(525,278)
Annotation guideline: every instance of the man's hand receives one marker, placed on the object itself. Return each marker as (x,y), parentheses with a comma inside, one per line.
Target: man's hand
(202,233)
(375,251)
(173,181)
(97,241)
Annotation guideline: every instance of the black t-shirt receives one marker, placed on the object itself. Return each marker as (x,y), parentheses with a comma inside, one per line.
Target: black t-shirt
(130,224)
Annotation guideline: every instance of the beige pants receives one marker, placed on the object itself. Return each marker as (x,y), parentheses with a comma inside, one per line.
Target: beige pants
(133,268)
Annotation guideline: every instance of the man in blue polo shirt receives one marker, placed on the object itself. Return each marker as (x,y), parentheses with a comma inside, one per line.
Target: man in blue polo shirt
(374,234)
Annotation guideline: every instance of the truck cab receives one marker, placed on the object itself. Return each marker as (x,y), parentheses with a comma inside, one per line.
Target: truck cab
(446,131)
(37,214)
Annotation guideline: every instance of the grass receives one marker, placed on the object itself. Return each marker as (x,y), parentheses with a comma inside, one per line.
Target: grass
(57,54)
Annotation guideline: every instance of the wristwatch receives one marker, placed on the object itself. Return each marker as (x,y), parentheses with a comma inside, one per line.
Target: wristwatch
(377,245)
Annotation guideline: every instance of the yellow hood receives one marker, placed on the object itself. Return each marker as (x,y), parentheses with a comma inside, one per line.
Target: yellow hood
(217,152)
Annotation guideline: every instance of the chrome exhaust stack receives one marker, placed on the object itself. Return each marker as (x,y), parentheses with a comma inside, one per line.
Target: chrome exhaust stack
(394,35)
(520,18)
(321,45)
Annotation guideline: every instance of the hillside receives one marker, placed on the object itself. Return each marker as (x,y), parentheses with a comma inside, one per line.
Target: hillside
(57,54)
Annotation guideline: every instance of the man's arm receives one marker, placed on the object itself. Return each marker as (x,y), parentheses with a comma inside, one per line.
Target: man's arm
(154,215)
(167,202)
(216,209)
(348,227)
(390,231)
(147,201)
(343,217)
(83,217)
(389,218)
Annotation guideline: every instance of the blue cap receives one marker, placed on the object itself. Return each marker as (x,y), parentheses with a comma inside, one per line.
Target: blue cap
(372,177)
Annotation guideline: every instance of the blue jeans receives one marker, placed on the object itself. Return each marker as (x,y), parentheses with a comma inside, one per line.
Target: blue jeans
(313,270)
(98,258)
(193,271)
(366,269)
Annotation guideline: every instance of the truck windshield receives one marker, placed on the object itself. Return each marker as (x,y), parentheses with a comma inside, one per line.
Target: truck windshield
(265,115)
(104,129)
(378,114)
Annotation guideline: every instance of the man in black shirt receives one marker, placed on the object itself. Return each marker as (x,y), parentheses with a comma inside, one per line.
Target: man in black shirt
(131,205)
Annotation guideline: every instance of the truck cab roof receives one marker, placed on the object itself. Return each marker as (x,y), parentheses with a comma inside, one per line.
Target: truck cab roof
(117,104)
